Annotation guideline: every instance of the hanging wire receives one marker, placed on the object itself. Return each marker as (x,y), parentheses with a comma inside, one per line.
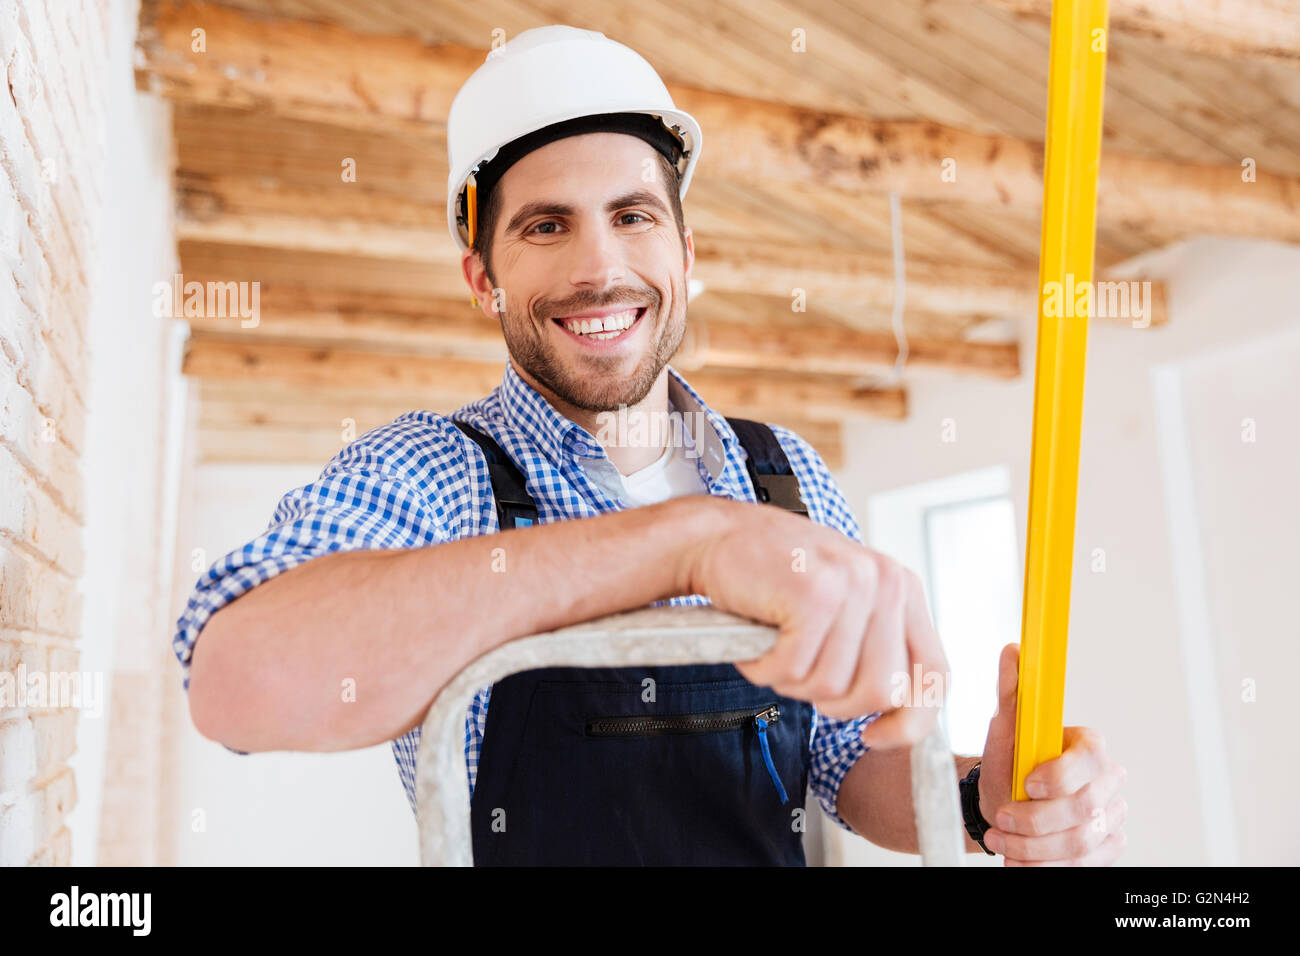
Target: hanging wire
(894,375)
(900,285)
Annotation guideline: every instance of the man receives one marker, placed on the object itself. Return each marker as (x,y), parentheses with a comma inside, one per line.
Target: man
(394,569)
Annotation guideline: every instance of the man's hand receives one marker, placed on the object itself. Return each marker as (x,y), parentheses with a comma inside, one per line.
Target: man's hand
(1075,815)
(852,621)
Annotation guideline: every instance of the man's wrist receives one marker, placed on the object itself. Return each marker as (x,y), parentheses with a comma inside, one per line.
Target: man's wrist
(703,518)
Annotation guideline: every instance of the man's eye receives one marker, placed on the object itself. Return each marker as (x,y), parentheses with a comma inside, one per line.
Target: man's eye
(551,222)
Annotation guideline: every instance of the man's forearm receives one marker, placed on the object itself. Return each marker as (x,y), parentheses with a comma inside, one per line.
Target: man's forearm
(269,669)
(875,799)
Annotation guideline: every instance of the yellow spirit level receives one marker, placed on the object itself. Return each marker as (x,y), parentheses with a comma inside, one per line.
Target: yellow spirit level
(1076,80)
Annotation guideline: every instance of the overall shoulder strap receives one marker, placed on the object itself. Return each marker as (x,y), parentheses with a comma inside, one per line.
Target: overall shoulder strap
(515,506)
(769,469)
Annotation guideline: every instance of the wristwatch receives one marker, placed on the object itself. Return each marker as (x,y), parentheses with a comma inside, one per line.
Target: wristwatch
(976,825)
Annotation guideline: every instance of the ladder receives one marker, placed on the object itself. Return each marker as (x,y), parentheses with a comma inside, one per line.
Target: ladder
(654,636)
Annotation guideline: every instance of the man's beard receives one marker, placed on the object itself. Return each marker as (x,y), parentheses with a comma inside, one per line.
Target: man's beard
(596,387)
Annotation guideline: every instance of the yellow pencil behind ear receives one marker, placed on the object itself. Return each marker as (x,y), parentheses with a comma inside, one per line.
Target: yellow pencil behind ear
(471,201)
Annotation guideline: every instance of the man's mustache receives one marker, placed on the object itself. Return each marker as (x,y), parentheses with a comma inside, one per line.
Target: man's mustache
(649,299)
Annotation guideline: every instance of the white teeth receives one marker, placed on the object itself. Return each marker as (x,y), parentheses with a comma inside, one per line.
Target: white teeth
(606,327)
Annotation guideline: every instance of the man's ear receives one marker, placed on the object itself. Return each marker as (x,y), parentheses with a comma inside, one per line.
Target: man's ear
(690,251)
(471,265)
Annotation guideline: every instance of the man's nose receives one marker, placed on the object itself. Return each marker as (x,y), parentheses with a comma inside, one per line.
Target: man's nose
(597,259)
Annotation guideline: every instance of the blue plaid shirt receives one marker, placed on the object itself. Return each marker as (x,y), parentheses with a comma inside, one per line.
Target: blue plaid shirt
(420,481)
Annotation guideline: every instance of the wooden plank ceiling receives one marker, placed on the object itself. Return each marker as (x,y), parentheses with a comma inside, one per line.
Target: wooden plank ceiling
(364,313)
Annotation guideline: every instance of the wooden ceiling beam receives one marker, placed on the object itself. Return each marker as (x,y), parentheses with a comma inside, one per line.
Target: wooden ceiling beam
(769,396)
(239,423)
(1268,29)
(314,71)
(239,213)
(324,73)
(840,279)
(312,318)
(276,444)
(267,445)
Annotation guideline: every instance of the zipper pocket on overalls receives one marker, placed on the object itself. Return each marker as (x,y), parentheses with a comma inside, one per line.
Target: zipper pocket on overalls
(715,722)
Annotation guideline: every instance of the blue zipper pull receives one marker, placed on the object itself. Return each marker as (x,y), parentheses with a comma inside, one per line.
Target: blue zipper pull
(761,722)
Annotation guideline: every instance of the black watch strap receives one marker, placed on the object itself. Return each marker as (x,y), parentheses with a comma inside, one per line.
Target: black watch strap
(976,825)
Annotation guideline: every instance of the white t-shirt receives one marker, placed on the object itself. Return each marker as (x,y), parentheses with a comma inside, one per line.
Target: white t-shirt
(674,474)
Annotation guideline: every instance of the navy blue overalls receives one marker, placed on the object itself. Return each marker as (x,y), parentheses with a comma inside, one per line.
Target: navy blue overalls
(666,766)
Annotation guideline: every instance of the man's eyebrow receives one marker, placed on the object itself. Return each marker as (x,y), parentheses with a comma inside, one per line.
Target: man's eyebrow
(545,207)
(538,207)
(637,197)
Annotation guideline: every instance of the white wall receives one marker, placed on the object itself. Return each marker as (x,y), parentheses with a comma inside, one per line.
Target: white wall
(279,808)
(1129,643)
(132,369)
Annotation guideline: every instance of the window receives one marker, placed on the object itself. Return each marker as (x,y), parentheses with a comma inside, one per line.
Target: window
(959,535)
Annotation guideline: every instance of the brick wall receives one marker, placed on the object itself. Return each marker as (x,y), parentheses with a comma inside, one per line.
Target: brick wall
(54,63)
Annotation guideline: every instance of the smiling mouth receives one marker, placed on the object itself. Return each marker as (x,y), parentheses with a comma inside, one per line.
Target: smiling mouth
(603,328)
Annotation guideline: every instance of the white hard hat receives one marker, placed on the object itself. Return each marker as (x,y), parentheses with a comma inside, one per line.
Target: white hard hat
(547,76)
